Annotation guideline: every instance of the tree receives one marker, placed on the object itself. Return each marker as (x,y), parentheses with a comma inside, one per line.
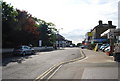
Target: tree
(19,27)
(52,35)
(8,22)
(47,33)
(79,44)
(28,27)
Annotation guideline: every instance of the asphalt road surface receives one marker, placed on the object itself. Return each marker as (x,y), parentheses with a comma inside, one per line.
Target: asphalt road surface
(31,66)
(97,66)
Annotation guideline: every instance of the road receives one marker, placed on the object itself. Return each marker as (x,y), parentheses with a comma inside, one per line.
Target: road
(31,66)
(97,66)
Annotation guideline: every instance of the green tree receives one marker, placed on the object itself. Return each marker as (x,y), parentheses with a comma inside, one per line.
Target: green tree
(44,34)
(19,27)
(8,23)
(79,44)
(52,35)
(47,33)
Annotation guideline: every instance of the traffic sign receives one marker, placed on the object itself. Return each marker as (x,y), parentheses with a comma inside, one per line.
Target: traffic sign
(111,35)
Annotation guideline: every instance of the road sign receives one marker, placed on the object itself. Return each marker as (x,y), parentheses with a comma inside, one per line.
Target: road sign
(40,43)
(111,35)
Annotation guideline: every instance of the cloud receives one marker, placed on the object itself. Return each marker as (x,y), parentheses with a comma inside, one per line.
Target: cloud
(76,17)
(76,35)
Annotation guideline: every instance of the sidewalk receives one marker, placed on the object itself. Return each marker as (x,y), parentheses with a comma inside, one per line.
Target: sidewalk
(96,65)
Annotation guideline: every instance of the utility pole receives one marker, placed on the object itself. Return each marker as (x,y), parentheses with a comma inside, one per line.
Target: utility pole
(111,45)
(111,37)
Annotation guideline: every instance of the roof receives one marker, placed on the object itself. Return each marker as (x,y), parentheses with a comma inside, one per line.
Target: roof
(59,37)
(104,25)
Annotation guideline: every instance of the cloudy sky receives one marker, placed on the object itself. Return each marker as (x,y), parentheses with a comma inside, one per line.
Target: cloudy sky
(76,17)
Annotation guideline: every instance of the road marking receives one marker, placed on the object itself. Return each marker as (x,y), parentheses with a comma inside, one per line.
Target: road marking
(56,67)
(49,71)
(54,72)
(44,72)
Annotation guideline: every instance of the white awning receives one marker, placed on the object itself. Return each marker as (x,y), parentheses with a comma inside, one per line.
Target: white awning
(105,33)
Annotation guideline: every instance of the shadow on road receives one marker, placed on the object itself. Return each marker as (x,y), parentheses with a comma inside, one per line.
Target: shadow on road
(16,58)
(20,58)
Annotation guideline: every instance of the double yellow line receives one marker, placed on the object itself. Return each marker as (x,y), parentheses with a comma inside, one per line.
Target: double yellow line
(57,66)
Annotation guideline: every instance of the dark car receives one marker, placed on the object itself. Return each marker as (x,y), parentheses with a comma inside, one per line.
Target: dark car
(23,50)
(83,46)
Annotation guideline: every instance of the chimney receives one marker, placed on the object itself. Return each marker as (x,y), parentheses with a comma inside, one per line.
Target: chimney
(109,22)
(100,22)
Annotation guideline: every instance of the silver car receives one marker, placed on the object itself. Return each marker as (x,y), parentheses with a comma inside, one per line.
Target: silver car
(23,50)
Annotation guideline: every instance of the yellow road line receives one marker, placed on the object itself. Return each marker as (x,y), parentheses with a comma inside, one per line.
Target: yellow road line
(54,72)
(44,72)
(49,72)
(43,75)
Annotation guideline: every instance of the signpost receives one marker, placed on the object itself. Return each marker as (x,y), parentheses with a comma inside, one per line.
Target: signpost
(40,43)
(111,36)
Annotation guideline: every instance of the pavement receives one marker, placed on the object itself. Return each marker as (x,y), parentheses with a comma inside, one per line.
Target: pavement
(96,65)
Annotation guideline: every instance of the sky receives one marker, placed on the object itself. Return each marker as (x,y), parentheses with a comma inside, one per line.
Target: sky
(73,18)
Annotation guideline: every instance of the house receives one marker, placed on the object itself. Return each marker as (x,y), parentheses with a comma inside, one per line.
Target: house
(62,42)
(95,36)
(68,43)
(112,34)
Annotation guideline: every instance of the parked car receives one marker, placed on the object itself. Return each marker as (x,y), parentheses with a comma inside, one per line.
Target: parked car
(23,50)
(107,49)
(83,46)
(102,46)
(105,46)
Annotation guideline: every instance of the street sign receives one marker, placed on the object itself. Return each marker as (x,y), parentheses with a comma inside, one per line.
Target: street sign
(90,34)
(40,43)
(111,35)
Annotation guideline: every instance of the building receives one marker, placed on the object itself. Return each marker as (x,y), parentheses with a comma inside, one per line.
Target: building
(62,42)
(94,36)
(112,34)
(68,43)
